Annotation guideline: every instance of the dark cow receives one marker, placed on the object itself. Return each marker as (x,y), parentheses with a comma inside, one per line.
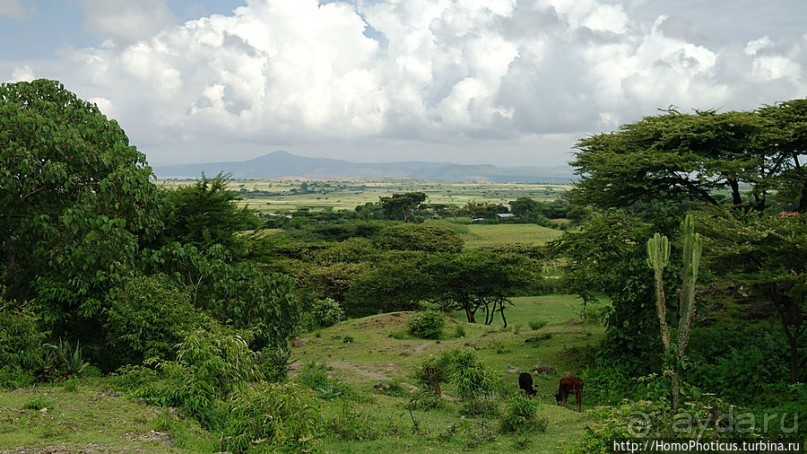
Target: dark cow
(525,383)
(570,385)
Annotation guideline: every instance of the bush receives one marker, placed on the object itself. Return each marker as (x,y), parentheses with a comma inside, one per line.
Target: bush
(323,313)
(22,346)
(710,419)
(147,318)
(537,324)
(353,425)
(427,325)
(521,416)
(210,365)
(461,367)
(274,363)
(315,376)
(273,416)
(482,407)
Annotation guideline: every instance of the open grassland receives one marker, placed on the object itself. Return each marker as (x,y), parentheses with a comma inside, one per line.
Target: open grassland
(366,354)
(282,195)
(481,235)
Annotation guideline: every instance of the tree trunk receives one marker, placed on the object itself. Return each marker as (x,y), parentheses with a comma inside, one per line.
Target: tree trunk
(501,311)
(735,192)
(676,391)
(9,281)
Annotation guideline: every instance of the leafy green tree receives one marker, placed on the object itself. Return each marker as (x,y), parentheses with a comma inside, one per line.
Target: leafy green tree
(523,206)
(234,293)
(147,317)
(767,254)
(206,213)
(394,283)
(76,201)
(427,237)
(475,280)
(790,121)
(691,157)
(400,207)
(607,256)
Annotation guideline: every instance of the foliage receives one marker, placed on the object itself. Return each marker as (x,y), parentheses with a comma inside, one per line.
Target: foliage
(274,363)
(210,365)
(401,206)
(147,317)
(471,377)
(315,376)
(351,424)
(475,280)
(77,200)
(480,407)
(607,256)
(691,158)
(767,254)
(323,313)
(537,324)
(206,213)
(427,237)
(271,417)
(521,416)
(428,324)
(395,284)
(238,293)
(706,420)
(22,350)
(64,360)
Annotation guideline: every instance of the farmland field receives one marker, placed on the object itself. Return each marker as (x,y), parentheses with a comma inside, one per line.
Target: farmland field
(283,195)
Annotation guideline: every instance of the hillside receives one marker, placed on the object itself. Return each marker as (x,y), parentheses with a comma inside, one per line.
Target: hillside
(281,164)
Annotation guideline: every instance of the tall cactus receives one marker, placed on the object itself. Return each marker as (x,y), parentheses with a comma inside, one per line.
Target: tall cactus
(693,246)
(658,256)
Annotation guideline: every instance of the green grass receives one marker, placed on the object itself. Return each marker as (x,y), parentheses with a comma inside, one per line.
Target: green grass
(481,235)
(382,352)
(92,418)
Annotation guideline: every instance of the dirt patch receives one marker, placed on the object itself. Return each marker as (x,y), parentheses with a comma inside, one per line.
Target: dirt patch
(374,372)
(152,435)
(386,321)
(62,449)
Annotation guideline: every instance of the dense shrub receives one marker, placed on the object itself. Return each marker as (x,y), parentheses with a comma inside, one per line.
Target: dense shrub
(462,368)
(427,324)
(521,416)
(739,367)
(271,417)
(22,346)
(147,318)
(323,313)
(419,237)
(351,424)
(210,365)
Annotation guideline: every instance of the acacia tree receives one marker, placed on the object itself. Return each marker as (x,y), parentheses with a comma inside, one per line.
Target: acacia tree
(401,206)
(768,255)
(474,280)
(695,157)
(76,201)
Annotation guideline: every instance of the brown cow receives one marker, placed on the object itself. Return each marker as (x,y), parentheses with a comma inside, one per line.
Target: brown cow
(570,384)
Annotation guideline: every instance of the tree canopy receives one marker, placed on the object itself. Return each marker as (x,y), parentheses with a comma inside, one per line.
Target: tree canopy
(697,158)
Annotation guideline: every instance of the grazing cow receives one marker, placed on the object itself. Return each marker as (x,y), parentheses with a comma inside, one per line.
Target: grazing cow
(525,383)
(570,384)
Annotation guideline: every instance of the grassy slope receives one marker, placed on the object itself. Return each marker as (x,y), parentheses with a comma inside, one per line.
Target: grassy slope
(90,418)
(381,352)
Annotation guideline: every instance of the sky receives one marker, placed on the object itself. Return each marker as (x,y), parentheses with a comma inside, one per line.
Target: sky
(503,82)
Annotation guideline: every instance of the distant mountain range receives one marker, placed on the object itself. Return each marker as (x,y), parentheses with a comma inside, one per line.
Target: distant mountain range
(281,164)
